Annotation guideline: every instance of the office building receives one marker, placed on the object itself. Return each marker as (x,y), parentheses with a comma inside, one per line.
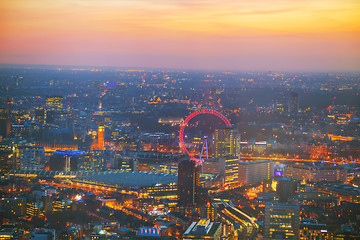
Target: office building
(257,146)
(188,182)
(282,220)
(316,172)
(6,160)
(203,229)
(54,103)
(255,171)
(226,142)
(214,166)
(92,161)
(34,207)
(344,192)
(8,233)
(60,204)
(10,154)
(231,170)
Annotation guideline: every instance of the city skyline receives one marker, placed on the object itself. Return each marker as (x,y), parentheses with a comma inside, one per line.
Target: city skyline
(261,35)
(89,153)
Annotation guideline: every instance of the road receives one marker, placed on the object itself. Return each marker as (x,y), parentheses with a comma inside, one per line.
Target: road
(248,229)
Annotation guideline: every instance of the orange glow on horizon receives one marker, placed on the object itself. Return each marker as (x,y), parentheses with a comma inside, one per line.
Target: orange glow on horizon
(167,33)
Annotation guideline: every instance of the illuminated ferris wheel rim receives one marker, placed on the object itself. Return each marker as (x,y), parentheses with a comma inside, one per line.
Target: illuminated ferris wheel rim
(188,118)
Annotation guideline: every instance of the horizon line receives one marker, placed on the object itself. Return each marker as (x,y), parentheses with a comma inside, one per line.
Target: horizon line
(112,67)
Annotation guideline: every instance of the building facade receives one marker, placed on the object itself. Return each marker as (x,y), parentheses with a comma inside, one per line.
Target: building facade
(316,173)
(188,182)
(231,170)
(226,142)
(255,171)
(282,220)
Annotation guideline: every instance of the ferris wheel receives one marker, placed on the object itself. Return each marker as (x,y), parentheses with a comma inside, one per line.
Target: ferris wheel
(185,123)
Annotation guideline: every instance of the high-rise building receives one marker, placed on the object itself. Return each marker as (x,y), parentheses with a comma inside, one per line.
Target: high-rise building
(54,102)
(231,170)
(282,220)
(101,142)
(188,182)
(255,171)
(294,103)
(226,142)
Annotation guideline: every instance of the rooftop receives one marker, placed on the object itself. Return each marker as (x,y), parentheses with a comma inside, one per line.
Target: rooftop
(204,227)
(133,179)
(342,188)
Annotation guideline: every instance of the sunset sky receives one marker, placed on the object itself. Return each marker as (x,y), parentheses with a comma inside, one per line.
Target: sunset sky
(282,35)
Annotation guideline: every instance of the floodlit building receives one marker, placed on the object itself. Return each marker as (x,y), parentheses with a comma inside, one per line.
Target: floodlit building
(231,170)
(101,141)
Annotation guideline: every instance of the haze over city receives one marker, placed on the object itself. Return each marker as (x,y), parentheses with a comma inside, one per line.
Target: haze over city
(263,35)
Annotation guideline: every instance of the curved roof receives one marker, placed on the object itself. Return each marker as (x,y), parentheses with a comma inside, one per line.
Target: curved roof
(133,179)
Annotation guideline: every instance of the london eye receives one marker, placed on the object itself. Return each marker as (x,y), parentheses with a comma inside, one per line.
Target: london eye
(185,123)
